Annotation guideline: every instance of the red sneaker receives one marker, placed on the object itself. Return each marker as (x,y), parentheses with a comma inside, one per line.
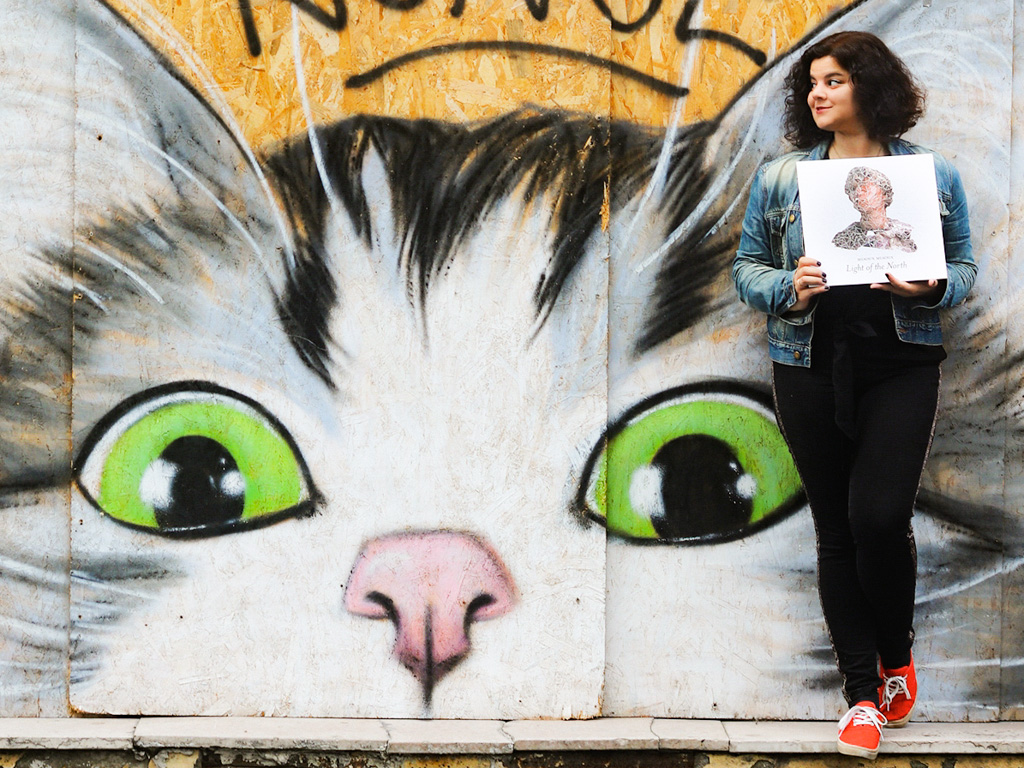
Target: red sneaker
(860,730)
(898,694)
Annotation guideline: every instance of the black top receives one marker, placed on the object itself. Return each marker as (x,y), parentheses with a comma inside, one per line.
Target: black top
(855,336)
(862,318)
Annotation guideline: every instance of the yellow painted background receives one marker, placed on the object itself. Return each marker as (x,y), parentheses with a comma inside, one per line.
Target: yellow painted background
(263,92)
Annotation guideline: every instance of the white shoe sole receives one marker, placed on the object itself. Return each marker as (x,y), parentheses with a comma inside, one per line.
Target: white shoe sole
(850,749)
(901,722)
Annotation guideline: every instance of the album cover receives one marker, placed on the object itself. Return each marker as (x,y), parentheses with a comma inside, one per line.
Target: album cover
(865,217)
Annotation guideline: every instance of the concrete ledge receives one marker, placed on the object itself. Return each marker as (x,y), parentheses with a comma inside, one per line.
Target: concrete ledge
(493,737)
(709,735)
(68,733)
(964,738)
(257,733)
(447,737)
(560,735)
(914,739)
(789,737)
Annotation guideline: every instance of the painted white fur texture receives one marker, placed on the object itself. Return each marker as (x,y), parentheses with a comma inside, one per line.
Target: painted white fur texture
(441,330)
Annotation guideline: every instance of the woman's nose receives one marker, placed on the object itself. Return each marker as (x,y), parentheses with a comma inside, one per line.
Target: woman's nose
(431,586)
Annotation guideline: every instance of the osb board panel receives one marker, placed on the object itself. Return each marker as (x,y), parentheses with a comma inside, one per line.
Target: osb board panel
(1012,678)
(565,59)
(744,614)
(413,457)
(740,36)
(36,299)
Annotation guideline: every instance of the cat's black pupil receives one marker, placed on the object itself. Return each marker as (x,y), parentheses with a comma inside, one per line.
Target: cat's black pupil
(205,487)
(701,488)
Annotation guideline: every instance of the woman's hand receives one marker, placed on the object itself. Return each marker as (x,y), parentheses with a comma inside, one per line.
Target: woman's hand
(808,281)
(927,290)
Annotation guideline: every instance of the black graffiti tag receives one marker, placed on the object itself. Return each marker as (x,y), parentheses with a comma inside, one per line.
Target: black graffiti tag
(337,20)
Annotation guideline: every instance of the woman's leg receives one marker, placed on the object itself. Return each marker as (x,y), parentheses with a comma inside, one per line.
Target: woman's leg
(805,403)
(895,417)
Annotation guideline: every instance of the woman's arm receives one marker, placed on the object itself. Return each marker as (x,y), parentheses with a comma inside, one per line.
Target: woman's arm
(760,280)
(956,236)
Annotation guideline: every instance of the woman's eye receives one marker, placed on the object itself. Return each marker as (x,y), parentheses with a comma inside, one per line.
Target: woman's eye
(693,466)
(193,460)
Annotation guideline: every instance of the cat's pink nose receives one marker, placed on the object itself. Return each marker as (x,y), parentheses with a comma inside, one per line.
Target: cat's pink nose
(432,586)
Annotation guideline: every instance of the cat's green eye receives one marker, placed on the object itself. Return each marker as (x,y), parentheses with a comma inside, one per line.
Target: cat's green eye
(193,460)
(693,466)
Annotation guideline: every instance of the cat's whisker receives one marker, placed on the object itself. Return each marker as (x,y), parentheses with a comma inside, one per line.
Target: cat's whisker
(122,267)
(156,26)
(38,575)
(813,666)
(712,196)
(42,636)
(99,122)
(97,587)
(32,690)
(961,663)
(31,666)
(967,583)
(307,111)
(99,626)
(91,296)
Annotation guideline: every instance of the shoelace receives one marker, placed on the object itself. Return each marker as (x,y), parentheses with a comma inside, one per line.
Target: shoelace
(859,715)
(894,686)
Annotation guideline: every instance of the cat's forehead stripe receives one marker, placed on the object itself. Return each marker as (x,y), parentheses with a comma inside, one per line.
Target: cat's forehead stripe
(453,175)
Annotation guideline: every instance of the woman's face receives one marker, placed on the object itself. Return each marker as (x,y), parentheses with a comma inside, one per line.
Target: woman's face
(831,98)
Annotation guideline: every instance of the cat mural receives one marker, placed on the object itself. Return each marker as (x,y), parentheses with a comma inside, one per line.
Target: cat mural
(404,418)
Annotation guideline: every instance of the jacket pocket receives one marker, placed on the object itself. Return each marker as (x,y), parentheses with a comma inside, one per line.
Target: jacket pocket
(777,233)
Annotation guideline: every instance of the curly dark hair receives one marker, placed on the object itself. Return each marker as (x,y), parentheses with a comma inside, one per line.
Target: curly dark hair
(889,101)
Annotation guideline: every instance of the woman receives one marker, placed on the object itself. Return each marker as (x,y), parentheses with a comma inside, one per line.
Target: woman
(855,370)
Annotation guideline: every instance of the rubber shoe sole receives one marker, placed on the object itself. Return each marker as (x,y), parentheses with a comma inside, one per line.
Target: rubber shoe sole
(854,751)
(903,720)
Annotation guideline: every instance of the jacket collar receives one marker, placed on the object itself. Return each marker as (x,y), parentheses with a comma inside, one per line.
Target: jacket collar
(894,147)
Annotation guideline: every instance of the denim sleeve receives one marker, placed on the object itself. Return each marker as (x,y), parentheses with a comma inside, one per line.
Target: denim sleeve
(760,282)
(956,236)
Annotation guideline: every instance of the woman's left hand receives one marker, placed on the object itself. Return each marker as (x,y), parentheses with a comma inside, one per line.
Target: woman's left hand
(914,289)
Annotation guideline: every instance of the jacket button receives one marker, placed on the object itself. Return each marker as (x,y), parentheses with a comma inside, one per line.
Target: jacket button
(796,355)
(792,218)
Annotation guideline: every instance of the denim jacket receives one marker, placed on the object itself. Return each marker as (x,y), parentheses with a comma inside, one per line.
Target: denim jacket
(772,243)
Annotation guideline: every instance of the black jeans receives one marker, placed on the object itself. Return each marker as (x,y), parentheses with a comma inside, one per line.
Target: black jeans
(861,491)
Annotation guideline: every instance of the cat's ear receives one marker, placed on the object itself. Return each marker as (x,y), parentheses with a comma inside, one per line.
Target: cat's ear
(123,186)
(698,193)
(750,129)
(961,54)
(702,210)
(95,109)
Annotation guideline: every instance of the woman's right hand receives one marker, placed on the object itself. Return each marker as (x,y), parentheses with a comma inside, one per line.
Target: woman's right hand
(808,281)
